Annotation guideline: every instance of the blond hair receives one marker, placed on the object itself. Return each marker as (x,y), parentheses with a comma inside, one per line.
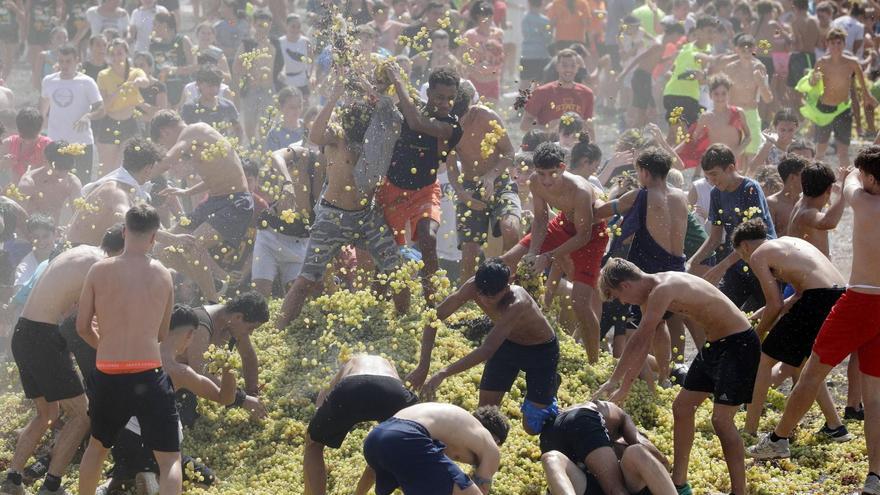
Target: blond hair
(615,272)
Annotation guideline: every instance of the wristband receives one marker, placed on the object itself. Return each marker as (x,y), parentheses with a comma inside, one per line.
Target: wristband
(480,481)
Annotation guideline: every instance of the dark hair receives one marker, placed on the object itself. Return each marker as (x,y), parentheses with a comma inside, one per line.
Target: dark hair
(379,7)
(826,7)
(252,306)
(183,316)
(140,153)
(167,19)
(750,230)
(584,149)
(355,118)
(262,14)
(574,125)
(816,179)
(835,34)
(523,159)
(532,139)
(57,159)
(856,10)
(121,42)
(40,222)
(717,155)
(113,241)
(566,53)
(785,115)
(446,76)
(29,122)
(492,276)
(68,49)
(801,4)
(97,37)
(673,28)
(493,420)
(549,155)
(791,164)
(463,98)
(705,21)
(719,80)
(250,167)
(768,178)
(287,93)
(142,219)
(209,75)
(481,9)
(536,3)
(162,119)
(151,61)
(655,161)
(744,39)
(868,161)
(801,144)
(292,17)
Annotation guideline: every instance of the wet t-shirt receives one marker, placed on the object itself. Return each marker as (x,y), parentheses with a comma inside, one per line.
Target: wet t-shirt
(417,156)
(730,208)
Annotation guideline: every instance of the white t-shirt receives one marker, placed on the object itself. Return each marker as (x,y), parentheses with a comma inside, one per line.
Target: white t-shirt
(191,93)
(142,20)
(25,270)
(69,100)
(98,23)
(447,239)
(296,65)
(855,31)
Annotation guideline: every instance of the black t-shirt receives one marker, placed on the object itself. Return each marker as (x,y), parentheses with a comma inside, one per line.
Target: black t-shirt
(419,152)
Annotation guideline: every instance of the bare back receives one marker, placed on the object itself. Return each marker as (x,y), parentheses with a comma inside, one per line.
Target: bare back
(367,364)
(865,238)
(781,207)
(799,263)
(103,208)
(48,191)
(522,316)
(214,160)
(667,218)
(805,29)
(475,125)
(800,228)
(57,291)
(463,435)
(130,315)
(700,301)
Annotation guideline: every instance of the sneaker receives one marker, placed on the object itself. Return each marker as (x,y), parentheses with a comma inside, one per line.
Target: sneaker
(59,491)
(839,434)
(37,470)
(10,488)
(684,490)
(768,449)
(146,484)
(851,413)
(872,485)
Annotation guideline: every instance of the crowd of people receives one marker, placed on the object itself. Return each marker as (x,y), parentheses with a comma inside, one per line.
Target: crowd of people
(180,168)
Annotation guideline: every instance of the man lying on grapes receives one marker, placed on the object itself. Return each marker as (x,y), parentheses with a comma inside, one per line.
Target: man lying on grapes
(520,340)
(595,447)
(366,388)
(724,368)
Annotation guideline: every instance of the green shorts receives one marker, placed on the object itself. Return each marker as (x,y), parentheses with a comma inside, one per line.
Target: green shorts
(753,120)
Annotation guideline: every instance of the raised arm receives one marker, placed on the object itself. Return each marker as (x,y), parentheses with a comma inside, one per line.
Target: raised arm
(319,133)
(415,119)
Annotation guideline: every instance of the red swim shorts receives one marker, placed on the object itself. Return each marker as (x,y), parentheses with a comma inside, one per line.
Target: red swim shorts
(402,206)
(853,325)
(587,259)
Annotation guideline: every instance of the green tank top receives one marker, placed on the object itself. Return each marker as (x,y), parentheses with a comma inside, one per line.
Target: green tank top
(685,61)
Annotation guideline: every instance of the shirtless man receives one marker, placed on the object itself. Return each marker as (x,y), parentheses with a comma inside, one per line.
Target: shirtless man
(805,40)
(345,214)
(749,86)
(366,388)
(851,326)
(810,220)
(832,110)
(389,30)
(794,322)
(725,124)
(725,368)
(410,438)
(520,339)
(52,187)
(488,200)
(47,373)
(616,457)
(655,219)
(129,381)
(783,202)
(571,238)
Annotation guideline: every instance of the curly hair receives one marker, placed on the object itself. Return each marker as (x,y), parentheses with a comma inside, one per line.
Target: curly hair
(355,118)
(493,420)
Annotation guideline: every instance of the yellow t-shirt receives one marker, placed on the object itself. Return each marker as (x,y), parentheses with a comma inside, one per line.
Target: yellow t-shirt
(128,96)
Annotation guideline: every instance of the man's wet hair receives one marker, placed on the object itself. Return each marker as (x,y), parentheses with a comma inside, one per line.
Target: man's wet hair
(705,21)
(166,19)
(786,115)
(68,49)
(816,179)
(868,161)
(656,161)
(29,122)
(835,34)
(533,138)
(744,39)
(210,76)
(719,80)
(445,76)
(768,178)
(161,120)
(183,316)
(140,153)
(252,306)
(492,276)
(463,98)
(753,229)
(142,219)
(250,167)
(481,9)
(493,420)
(113,241)
(355,118)
(802,144)
(615,272)
(287,93)
(40,222)
(549,155)
(801,4)
(570,123)
(717,155)
(671,27)
(791,164)
(566,53)
(56,159)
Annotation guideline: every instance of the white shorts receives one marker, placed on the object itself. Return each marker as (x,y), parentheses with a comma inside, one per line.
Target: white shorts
(277,254)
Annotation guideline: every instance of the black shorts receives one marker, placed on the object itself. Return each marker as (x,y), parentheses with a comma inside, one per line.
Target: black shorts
(112,131)
(229,214)
(532,69)
(691,108)
(726,368)
(576,433)
(742,288)
(83,353)
(791,339)
(768,64)
(798,64)
(841,125)
(171,5)
(642,93)
(615,314)
(43,361)
(39,38)
(148,396)
(356,399)
(403,455)
(538,361)
(187,404)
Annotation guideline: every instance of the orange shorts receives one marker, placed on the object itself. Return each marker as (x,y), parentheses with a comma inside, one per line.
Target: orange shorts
(407,206)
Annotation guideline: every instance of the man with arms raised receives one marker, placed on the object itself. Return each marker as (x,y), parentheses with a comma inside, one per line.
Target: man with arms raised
(725,368)
(750,85)
(570,238)
(810,220)
(132,319)
(43,360)
(853,325)
(429,437)
(794,322)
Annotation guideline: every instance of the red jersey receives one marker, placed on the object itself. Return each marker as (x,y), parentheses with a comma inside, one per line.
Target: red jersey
(550,101)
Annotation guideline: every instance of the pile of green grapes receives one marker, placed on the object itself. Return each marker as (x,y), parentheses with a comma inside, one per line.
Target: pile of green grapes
(265,457)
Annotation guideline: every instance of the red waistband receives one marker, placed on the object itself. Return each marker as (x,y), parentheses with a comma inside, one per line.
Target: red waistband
(126,367)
